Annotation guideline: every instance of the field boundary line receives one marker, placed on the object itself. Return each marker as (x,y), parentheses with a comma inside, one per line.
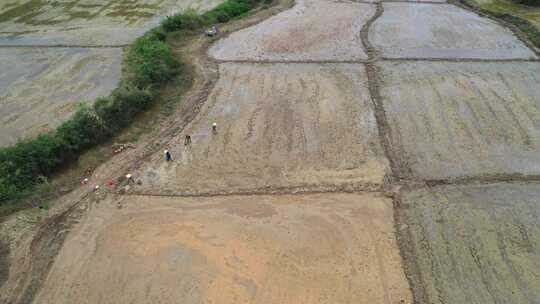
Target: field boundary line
(62,46)
(310,189)
(358,61)
(489,179)
(389,59)
(428,59)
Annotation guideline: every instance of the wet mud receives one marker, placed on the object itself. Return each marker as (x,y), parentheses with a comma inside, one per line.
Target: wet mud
(41,87)
(307,32)
(278,125)
(453,120)
(473,243)
(82,22)
(424,30)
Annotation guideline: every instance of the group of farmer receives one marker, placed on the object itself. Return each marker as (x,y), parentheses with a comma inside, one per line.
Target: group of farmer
(187,142)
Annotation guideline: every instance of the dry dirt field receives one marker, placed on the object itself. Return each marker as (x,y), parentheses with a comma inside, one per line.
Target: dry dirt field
(84,22)
(40,87)
(307,32)
(424,30)
(451,119)
(324,248)
(279,125)
(475,244)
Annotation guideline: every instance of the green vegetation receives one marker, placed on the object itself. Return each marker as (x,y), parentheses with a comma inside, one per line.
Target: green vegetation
(526,18)
(531,31)
(149,65)
(528,2)
(518,9)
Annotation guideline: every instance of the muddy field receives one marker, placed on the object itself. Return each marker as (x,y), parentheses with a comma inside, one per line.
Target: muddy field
(83,22)
(40,88)
(307,32)
(327,248)
(475,244)
(451,120)
(279,125)
(442,31)
(314,127)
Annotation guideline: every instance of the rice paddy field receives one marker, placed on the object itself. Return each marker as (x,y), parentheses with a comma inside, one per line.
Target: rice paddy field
(364,152)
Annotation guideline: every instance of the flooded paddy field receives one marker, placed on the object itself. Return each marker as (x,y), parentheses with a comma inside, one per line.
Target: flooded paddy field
(324,248)
(425,30)
(279,125)
(452,120)
(52,55)
(82,22)
(41,87)
(307,32)
(474,243)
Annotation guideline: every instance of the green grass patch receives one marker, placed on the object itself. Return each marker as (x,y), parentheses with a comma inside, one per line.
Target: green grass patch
(525,18)
(22,11)
(527,12)
(531,31)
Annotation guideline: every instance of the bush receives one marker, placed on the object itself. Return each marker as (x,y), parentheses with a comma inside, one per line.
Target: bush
(81,131)
(150,60)
(532,32)
(528,2)
(189,20)
(117,111)
(229,10)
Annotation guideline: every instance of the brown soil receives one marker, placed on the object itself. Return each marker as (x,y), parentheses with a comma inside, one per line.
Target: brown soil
(323,248)
(279,125)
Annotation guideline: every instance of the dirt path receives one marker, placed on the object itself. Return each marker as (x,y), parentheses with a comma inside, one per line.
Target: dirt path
(304,108)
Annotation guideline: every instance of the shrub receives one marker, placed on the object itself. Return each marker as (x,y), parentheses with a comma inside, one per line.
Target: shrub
(229,10)
(117,111)
(528,2)
(81,131)
(150,60)
(157,33)
(532,32)
(189,20)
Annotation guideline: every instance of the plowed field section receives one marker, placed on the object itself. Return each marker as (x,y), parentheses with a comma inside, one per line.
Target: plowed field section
(85,22)
(310,31)
(328,248)
(279,125)
(453,120)
(40,88)
(442,31)
(476,244)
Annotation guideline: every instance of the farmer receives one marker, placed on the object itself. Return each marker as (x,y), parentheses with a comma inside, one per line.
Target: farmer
(214,128)
(168,156)
(187,140)
(129,178)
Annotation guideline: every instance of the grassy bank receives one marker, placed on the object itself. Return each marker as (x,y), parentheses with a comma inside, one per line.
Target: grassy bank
(524,17)
(149,65)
